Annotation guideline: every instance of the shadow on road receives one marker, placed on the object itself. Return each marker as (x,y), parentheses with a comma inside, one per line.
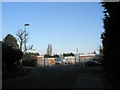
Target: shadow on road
(58,76)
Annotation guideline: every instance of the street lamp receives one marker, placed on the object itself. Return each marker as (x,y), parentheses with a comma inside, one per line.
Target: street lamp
(25,25)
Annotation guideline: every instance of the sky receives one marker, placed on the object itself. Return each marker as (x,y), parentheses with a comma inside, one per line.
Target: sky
(65,25)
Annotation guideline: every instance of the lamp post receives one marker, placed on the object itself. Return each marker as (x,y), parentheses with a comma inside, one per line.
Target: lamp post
(25,25)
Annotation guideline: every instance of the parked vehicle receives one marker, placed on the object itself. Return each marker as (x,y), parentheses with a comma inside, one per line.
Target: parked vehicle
(58,61)
(92,63)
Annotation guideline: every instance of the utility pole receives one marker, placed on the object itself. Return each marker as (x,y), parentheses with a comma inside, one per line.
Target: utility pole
(61,58)
(44,61)
(76,56)
(75,59)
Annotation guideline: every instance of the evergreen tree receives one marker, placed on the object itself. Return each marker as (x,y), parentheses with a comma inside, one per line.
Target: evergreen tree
(10,40)
(111,39)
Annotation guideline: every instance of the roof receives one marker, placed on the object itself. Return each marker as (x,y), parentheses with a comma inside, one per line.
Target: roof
(89,55)
(40,56)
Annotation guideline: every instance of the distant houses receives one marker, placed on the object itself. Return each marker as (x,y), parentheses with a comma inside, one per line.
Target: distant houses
(88,57)
(41,61)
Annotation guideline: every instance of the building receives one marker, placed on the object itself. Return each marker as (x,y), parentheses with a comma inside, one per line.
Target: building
(49,50)
(70,59)
(88,57)
(41,61)
(49,61)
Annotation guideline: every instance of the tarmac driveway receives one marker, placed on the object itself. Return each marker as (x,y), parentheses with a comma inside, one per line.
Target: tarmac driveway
(69,76)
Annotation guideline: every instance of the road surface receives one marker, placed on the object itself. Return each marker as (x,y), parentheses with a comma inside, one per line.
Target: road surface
(69,76)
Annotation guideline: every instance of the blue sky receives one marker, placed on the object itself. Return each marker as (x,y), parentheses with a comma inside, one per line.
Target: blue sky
(65,25)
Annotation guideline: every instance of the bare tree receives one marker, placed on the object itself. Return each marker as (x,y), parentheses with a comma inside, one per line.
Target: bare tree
(23,39)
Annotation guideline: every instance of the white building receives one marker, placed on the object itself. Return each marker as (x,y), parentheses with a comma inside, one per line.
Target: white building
(87,57)
(49,50)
